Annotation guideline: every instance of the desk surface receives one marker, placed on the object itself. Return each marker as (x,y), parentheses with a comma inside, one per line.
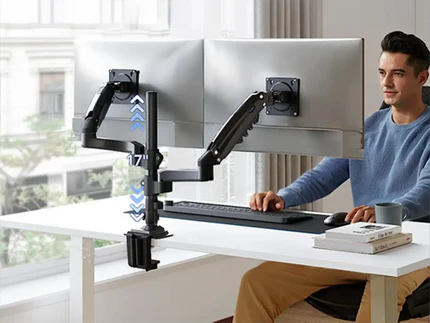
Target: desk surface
(104,219)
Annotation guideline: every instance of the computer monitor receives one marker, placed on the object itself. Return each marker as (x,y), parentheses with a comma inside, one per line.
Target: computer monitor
(200,83)
(329,73)
(173,68)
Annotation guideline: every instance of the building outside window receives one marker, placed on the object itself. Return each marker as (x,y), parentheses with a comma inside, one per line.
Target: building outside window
(51,99)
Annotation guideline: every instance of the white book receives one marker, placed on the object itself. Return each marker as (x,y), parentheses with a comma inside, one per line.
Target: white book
(373,247)
(363,231)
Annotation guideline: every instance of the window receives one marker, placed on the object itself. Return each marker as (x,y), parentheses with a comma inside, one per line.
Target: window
(46,11)
(46,32)
(112,11)
(80,183)
(150,14)
(51,93)
(25,195)
(144,15)
(69,11)
(12,12)
(4,93)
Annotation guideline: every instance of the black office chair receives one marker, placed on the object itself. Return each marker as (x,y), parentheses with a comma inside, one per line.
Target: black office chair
(343,301)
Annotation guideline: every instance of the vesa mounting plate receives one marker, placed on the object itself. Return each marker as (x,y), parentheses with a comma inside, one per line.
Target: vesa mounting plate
(284,84)
(121,75)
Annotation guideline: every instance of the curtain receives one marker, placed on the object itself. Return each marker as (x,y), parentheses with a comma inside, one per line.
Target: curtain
(285,19)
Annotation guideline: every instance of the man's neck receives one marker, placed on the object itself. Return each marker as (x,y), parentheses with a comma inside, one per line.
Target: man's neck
(405,115)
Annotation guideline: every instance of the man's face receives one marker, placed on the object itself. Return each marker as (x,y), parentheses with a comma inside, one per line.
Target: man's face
(398,81)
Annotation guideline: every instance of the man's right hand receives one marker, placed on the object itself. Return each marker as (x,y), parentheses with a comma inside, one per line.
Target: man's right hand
(266,201)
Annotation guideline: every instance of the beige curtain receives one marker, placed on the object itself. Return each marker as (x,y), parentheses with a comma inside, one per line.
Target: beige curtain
(285,19)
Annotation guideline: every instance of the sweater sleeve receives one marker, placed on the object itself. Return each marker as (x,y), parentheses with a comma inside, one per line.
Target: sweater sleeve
(316,183)
(416,202)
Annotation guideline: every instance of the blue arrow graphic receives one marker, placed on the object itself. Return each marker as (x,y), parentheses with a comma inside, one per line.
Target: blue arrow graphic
(137,190)
(138,199)
(137,217)
(137,209)
(137,97)
(136,125)
(137,107)
(137,116)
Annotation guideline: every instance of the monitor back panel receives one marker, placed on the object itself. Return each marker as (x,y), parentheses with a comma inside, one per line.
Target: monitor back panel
(173,68)
(331,73)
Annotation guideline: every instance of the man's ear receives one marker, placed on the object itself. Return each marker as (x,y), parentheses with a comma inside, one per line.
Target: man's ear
(423,76)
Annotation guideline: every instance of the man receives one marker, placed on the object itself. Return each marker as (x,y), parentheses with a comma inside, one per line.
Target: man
(396,168)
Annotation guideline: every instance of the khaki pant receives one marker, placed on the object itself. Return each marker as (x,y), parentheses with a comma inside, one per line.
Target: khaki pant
(272,287)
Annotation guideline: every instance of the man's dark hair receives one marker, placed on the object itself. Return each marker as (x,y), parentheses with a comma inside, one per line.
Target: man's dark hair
(399,42)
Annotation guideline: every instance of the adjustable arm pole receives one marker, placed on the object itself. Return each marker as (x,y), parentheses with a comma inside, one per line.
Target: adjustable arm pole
(153,163)
(139,241)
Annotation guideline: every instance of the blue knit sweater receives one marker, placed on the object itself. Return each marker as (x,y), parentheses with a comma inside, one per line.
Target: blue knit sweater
(395,168)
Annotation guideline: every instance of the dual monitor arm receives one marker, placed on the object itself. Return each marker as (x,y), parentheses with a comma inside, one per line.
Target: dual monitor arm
(155,182)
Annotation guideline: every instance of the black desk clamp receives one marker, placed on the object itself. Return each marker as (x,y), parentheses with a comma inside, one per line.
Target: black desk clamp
(123,85)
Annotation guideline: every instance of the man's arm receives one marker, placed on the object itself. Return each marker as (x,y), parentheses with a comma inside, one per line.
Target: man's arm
(317,182)
(416,202)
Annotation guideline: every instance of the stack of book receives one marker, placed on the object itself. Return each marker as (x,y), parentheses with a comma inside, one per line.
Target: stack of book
(363,237)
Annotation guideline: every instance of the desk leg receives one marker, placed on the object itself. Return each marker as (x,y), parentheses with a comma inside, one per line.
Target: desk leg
(383,294)
(81,280)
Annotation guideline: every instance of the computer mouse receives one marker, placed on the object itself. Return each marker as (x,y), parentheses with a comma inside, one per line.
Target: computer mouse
(336,219)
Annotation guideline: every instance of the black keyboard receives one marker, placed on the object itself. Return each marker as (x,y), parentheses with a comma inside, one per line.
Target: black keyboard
(235,212)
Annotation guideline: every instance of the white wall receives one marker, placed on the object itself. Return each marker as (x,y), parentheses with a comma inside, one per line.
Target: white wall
(182,294)
(371,20)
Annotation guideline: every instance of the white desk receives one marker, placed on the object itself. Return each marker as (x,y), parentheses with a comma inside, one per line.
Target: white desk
(104,219)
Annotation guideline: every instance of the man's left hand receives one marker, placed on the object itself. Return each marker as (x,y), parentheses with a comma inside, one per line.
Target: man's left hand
(362,213)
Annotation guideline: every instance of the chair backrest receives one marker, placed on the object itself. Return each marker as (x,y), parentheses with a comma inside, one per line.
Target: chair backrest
(426,98)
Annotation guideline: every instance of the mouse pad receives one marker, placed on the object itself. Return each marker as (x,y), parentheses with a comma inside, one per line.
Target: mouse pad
(313,225)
